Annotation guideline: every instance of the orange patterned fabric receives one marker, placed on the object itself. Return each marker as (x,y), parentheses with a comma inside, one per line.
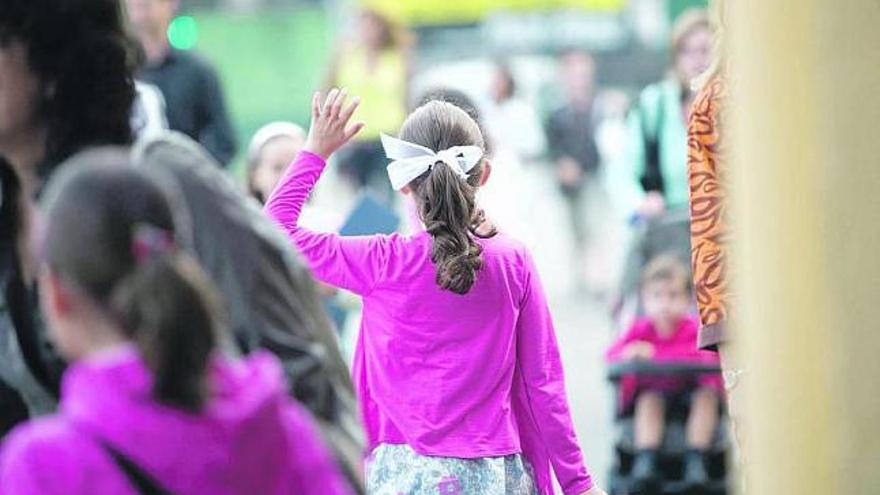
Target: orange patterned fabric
(709,224)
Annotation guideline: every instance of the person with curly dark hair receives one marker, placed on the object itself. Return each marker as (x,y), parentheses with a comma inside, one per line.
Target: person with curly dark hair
(68,71)
(65,84)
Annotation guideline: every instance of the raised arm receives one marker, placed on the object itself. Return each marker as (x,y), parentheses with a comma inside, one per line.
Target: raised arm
(352,263)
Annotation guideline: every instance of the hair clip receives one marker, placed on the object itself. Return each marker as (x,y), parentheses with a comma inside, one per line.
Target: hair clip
(148,241)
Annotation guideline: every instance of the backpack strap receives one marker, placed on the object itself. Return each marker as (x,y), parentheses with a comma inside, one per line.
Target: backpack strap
(143,483)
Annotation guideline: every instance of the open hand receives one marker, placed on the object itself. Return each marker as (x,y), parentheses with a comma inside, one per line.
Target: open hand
(653,205)
(330,129)
(639,350)
(568,172)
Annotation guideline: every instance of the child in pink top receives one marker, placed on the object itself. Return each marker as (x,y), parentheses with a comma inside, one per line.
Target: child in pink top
(456,368)
(148,405)
(667,333)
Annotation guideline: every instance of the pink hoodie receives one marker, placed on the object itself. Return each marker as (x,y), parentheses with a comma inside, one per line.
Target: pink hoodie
(468,376)
(250,439)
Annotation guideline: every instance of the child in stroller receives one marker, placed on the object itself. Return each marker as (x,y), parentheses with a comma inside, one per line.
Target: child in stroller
(660,370)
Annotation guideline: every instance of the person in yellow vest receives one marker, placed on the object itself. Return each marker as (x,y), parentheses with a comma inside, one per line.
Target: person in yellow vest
(375,66)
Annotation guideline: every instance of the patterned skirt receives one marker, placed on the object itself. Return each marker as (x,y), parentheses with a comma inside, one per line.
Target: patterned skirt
(399,470)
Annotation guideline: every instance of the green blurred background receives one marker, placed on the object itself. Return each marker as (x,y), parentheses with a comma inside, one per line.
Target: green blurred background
(271,59)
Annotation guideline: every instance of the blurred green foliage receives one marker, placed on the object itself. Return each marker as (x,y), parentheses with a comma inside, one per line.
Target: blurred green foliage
(270,63)
(676,7)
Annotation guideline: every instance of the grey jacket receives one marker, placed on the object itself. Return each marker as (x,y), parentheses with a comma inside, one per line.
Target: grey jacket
(29,371)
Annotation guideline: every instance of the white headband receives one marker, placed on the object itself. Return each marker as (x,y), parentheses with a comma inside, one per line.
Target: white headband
(409,160)
(269,132)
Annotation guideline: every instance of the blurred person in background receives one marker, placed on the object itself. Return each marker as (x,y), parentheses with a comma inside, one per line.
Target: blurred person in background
(656,159)
(658,132)
(667,333)
(518,141)
(149,405)
(571,137)
(512,122)
(271,150)
(193,95)
(375,65)
(616,187)
(65,84)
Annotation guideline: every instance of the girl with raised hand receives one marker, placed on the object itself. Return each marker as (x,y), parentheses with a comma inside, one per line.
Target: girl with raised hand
(456,368)
(149,405)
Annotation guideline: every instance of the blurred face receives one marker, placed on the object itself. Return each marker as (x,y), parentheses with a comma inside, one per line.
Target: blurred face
(578,71)
(500,88)
(372,31)
(151,17)
(19,90)
(59,305)
(665,301)
(275,157)
(694,54)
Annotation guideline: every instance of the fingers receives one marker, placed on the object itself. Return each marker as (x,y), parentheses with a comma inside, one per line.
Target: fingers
(353,130)
(331,97)
(316,105)
(336,106)
(346,114)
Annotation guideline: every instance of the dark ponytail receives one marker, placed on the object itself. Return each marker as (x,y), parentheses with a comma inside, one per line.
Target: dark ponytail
(447,203)
(166,309)
(111,232)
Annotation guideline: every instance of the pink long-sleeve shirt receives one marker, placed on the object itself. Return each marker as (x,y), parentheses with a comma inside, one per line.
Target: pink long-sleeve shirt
(468,376)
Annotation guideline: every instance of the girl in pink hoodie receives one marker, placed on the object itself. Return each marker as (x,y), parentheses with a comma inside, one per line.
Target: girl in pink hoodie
(456,368)
(148,405)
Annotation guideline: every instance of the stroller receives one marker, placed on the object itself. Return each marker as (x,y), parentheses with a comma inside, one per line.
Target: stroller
(673,447)
(667,234)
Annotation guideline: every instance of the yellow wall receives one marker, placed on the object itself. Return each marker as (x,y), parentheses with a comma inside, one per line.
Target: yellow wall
(431,11)
(806,181)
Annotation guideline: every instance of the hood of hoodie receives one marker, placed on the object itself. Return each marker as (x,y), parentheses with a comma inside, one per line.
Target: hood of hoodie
(218,450)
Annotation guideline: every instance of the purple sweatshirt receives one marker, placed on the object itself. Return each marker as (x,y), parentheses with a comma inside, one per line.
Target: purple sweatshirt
(468,376)
(249,439)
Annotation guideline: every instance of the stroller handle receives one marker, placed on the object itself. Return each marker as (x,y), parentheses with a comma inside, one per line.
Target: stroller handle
(617,370)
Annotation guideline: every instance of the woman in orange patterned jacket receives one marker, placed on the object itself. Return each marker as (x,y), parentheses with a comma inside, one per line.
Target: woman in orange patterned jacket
(707,170)
(709,224)
(710,228)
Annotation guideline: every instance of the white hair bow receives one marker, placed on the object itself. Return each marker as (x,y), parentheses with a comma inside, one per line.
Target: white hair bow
(409,160)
